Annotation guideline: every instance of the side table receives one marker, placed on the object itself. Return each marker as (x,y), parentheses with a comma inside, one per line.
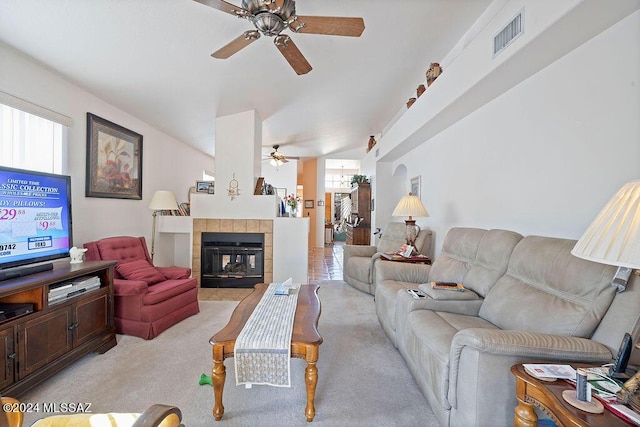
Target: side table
(412,259)
(547,396)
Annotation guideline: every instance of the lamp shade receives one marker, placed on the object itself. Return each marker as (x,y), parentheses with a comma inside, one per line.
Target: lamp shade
(162,200)
(614,236)
(410,206)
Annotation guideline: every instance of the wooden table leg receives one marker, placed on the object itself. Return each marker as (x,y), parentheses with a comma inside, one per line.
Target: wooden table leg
(311,380)
(218,375)
(523,414)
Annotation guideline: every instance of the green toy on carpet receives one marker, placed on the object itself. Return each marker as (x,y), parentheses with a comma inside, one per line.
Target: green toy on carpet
(205,379)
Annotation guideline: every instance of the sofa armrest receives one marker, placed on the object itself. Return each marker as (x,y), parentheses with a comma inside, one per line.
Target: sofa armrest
(123,287)
(500,349)
(467,303)
(358,250)
(402,272)
(175,273)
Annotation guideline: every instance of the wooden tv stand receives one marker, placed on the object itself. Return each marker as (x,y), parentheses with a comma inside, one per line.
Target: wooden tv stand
(36,345)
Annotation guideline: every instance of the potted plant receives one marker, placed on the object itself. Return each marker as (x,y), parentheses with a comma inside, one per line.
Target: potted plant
(359,179)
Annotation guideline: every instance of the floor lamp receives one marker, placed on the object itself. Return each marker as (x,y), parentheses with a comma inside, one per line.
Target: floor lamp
(614,238)
(410,206)
(161,200)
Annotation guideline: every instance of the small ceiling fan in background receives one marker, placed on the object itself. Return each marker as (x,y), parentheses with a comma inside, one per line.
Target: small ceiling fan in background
(271,17)
(278,159)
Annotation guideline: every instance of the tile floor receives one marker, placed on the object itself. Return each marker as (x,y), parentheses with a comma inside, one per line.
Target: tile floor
(324,264)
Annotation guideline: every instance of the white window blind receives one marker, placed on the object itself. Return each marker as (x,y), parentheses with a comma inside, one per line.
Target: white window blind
(29,141)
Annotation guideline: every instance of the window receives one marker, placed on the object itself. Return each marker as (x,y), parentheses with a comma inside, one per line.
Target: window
(30,142)
(337,179)
(32,137)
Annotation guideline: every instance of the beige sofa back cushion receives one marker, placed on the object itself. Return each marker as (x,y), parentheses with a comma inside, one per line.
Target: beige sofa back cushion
(548,290)
(459,250)
(474,257)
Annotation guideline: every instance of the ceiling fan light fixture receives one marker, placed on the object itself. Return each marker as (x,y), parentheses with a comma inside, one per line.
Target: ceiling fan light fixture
(269,24)
(276,162)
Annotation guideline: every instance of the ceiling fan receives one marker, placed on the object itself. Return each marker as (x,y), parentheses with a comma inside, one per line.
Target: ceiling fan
(271,17)
(276,158)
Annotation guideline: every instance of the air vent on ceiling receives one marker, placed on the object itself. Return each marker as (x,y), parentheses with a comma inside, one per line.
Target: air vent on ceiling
(508,34)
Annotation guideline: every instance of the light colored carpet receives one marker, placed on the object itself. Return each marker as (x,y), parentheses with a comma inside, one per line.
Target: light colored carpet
(362,379)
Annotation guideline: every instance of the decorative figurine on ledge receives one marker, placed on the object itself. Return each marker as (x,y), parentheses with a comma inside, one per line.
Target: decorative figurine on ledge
(76,255)
(433,72)
(372,143)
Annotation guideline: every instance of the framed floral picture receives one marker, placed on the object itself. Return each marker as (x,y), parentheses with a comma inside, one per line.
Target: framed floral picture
(114,160)
(415,186)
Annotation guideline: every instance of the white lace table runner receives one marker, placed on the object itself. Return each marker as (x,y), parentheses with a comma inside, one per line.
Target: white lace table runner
(263,348)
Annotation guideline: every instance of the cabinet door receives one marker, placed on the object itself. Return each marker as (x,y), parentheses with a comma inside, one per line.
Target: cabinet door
(7,357)
(44,339)
(92,316)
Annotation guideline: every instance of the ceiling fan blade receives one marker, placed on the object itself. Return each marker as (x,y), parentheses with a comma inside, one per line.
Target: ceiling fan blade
(328,25)
(225,7)
(237,44)
(292,54)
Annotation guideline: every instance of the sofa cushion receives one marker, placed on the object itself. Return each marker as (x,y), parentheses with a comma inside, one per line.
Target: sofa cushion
(393,237)
(360,268)
(168,290)
(474,257)
(122,249)
(459,250)
(548,290)
(428,338)
(492,259)
(140,270)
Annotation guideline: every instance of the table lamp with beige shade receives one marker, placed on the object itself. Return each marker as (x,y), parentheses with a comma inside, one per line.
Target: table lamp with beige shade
(410,206)
(161,200)
(614,238)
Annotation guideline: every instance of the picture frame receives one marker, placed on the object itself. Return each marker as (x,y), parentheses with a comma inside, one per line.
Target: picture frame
(320,203)
(308,204)
(205,187)
(415,186)
(114,160)
(281,192)
(259,183)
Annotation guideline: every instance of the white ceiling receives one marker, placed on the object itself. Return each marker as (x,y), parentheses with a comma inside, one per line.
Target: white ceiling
(152,59)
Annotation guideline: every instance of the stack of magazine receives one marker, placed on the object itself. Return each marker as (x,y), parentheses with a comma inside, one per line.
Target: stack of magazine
(61,291)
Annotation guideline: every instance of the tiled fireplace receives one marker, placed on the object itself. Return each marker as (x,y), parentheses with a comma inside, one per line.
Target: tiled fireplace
(235,251)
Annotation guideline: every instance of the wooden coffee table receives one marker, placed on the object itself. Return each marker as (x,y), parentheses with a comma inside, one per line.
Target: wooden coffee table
(305,342)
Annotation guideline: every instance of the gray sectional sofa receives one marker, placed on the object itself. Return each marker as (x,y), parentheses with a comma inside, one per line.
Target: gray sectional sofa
(526,299)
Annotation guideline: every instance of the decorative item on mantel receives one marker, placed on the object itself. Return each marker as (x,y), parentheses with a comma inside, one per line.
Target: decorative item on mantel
(410,102)
(420,90)
(372,143)
(433,72)
(233,190)
(293,202)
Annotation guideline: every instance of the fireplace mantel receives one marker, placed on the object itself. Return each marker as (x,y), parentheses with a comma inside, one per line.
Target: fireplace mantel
(288,238)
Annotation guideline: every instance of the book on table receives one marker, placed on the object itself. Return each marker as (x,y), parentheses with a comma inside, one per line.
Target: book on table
(448,286)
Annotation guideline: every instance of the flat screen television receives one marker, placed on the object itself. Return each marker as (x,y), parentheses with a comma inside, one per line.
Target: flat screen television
(35,218)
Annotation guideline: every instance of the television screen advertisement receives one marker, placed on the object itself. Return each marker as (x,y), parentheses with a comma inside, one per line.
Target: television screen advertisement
(35,216)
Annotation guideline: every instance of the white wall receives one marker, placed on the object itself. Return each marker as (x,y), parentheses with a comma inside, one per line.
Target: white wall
(168,164)
(284,176)
(544,157)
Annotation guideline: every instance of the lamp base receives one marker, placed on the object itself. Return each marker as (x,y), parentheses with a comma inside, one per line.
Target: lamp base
(412,231)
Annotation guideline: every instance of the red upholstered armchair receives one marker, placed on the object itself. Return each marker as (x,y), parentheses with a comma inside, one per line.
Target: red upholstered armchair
(148,299)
